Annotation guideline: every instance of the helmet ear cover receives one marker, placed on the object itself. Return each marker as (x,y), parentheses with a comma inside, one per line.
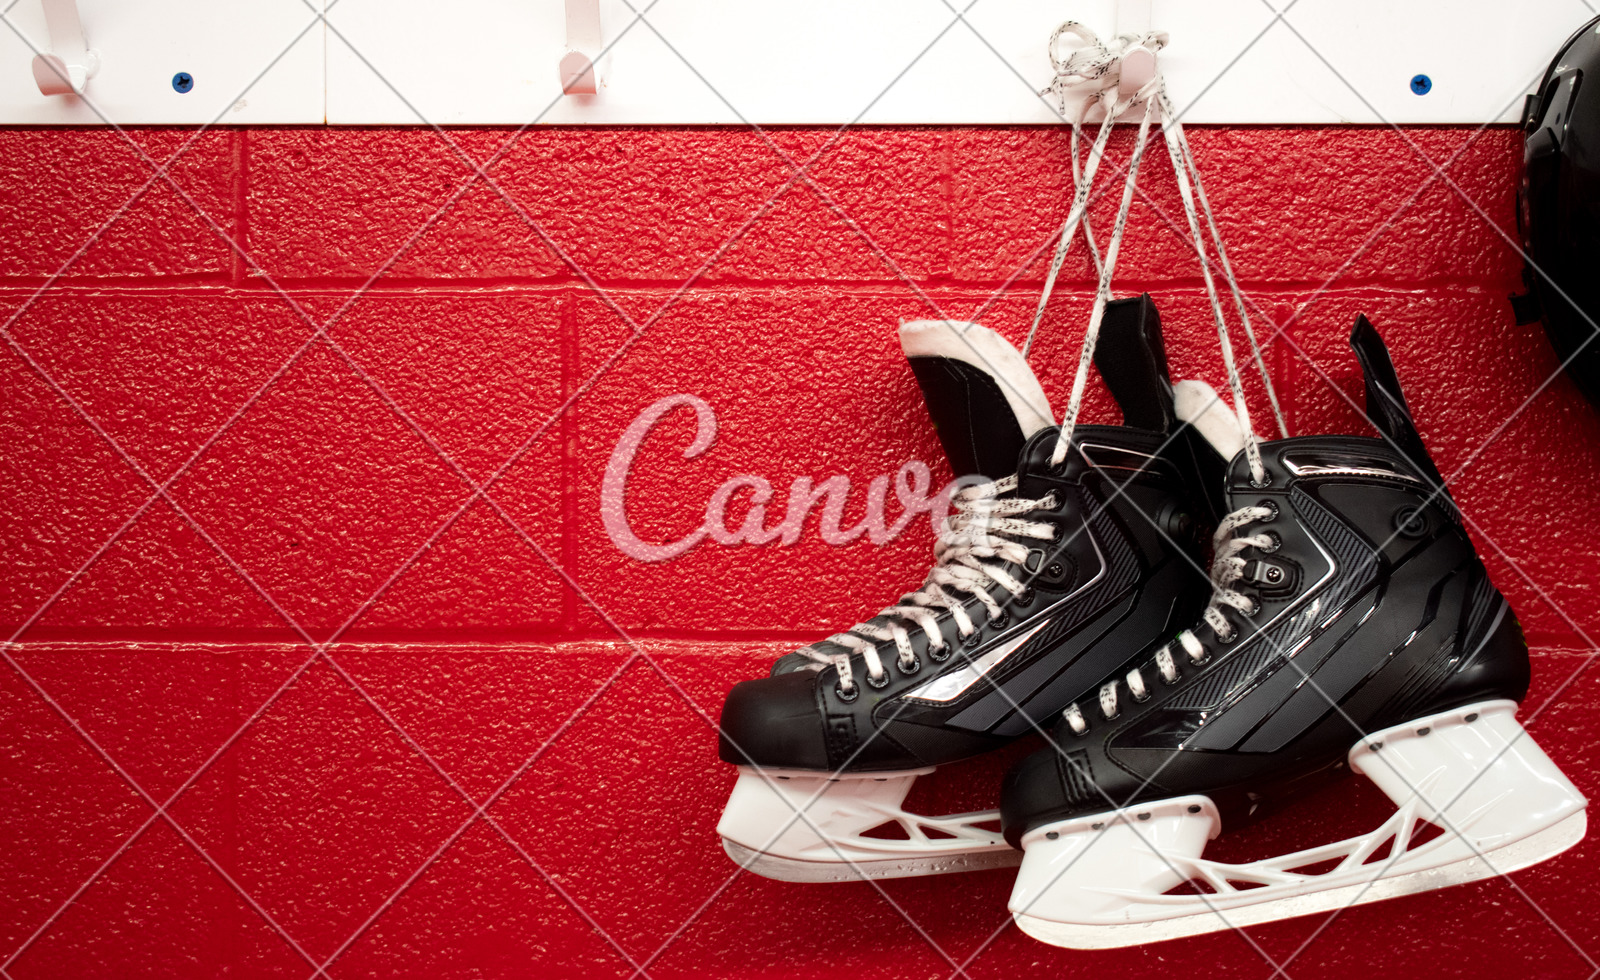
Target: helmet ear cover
(1558,209)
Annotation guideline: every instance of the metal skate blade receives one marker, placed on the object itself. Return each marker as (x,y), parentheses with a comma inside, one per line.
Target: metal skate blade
(1524,853)
(788,869)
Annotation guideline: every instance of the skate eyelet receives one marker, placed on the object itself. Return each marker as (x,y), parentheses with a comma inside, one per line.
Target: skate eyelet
(880,683)
(914,666)
(939,654)
(1228,637)
(1411,522)
(847,696)
(1000,622)
(1274,545)
(1024,598)
(1255,607)
(1265,482)
(1268,505)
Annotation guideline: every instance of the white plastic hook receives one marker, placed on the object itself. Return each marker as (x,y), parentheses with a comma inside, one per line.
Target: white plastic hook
(580,74)
(1138,60)
(69,64)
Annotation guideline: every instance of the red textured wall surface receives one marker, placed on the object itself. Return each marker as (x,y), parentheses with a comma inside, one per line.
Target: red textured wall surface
(319,704)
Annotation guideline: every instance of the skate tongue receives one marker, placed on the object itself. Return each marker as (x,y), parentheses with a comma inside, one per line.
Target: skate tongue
(1132,360)
(983,398)
(1199,404)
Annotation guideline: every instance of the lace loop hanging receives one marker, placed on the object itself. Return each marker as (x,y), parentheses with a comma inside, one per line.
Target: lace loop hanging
(1092,73)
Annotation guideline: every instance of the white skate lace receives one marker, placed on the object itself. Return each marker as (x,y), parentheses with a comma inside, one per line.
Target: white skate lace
(1092,73)
(1227,567)
(974,533)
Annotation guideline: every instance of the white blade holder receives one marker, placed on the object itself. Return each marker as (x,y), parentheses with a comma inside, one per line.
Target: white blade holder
(1138,61)
(69,64)
(582,68)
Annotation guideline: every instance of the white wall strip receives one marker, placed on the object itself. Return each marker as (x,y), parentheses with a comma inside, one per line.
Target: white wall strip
(729,62)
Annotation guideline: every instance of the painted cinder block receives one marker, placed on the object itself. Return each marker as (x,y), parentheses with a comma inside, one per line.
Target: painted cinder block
(872,206)
(87,203)
(1514,437)
(1293,205)
(399,204)
(807,385)
(812,385)
(323,809)
(614,204)
(339,493)
(479,377)
(67,492)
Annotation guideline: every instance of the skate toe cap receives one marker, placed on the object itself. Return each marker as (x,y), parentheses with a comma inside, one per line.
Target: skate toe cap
(774,722)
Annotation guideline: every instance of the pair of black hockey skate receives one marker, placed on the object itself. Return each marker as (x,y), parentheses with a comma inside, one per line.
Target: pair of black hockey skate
(1346,621)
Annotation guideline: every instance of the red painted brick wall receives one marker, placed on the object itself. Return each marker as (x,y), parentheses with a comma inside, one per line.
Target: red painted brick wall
(195,783)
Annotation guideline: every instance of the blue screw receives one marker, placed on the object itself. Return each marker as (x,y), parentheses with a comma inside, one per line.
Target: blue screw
(183,81)
(1421,84)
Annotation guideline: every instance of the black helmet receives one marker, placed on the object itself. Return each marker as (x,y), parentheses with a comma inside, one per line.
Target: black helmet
(1558,209)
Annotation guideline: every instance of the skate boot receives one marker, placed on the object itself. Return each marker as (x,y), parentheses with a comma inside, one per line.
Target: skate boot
(1047,578)
(1352,624)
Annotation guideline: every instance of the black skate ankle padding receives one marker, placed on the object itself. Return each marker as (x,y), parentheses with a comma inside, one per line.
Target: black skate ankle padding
(1132,359)
(977,426)
(1386,404)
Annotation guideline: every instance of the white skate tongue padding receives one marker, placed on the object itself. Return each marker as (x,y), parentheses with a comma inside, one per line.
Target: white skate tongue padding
(1199,404)
(988,352)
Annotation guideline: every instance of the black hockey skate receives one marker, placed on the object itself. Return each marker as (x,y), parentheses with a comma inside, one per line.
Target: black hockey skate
(1048,578)
(1351,624)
